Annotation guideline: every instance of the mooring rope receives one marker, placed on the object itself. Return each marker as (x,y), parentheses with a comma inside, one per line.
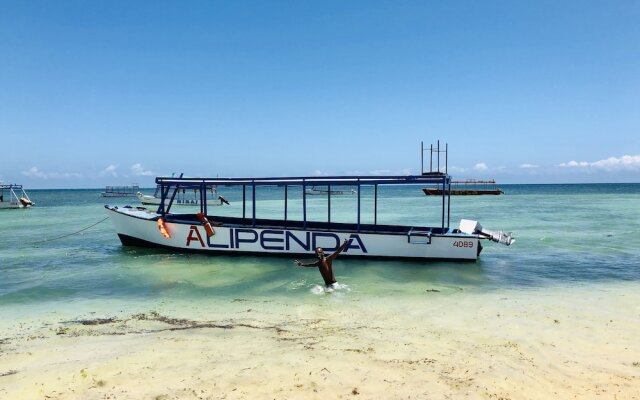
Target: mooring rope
(71,234)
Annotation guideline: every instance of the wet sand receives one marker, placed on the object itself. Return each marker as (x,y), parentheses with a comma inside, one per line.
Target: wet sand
(529,344)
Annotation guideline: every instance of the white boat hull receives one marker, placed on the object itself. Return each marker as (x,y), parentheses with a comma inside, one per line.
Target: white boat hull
(140,227)
(11,205)
(20,203)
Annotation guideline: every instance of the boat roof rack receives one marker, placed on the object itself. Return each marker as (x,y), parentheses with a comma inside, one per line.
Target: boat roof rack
(168,184)
(309,180)
(437,177)
(10,186)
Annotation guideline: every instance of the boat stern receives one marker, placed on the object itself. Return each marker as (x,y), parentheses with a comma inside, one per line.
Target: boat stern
(474,228)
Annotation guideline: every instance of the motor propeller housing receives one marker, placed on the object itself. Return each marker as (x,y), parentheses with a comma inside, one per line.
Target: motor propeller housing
(473,227)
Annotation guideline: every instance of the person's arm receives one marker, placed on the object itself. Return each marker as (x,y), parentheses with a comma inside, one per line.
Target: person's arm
(335,253)
(301,264)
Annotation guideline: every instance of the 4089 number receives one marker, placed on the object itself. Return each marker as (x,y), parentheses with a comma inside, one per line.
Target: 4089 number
(462,243)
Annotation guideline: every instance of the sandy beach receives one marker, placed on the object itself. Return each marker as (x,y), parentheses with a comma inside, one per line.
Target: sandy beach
(534,344)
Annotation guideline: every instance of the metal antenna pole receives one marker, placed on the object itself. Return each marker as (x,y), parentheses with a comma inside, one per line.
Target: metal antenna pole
(431,158)
(446,158)
(438,155)
(421,158)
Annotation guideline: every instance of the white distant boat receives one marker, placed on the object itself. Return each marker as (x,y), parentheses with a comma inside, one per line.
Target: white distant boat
(14,196)
(185,197)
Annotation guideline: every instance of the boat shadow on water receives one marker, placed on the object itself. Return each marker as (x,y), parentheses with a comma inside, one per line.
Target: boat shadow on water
(264,274)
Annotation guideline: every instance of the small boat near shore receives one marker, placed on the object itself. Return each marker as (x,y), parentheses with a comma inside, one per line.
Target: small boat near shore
(14,196)
(207,232)
(468,187)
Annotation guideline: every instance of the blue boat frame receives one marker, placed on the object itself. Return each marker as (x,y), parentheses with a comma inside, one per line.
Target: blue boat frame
(166,184)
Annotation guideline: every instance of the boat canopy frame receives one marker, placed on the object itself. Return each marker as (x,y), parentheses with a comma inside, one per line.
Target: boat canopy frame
(169,187)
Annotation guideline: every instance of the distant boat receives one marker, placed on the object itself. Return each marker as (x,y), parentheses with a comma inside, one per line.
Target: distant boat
(468,187)
(316,191)
(184,197)
(14,196)
(121,191)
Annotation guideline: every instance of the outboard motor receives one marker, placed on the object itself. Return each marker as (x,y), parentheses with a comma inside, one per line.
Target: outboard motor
(473,227)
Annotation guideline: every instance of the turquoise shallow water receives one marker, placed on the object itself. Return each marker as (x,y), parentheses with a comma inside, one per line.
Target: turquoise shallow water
(567,235)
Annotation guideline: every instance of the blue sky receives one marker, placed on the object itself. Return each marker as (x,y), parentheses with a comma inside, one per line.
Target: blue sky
(96,93)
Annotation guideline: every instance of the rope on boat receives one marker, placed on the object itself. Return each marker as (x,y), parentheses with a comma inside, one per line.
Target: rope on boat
(71,234)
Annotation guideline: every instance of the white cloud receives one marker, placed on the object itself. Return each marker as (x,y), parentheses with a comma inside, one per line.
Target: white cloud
(396,172)
(624,162)
(320,173)
(480,167)
(110,170)
(631,163)
(380,172)
(36,173)
(529,166)
(457,170)
(574,163)
(138,170)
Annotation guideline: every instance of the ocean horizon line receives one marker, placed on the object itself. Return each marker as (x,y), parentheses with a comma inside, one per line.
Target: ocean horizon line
(498,183)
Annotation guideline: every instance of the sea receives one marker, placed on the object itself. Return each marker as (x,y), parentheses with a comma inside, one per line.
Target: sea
(63,254)
(556,314)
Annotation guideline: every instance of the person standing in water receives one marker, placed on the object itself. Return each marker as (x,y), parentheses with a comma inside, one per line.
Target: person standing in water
(325,264)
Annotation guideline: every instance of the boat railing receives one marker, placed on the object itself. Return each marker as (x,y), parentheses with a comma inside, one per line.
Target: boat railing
(419,236)
(170,186)
(474,183)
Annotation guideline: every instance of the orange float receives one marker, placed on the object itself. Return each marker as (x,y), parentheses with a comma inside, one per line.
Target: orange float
(207,225)
(163,229)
